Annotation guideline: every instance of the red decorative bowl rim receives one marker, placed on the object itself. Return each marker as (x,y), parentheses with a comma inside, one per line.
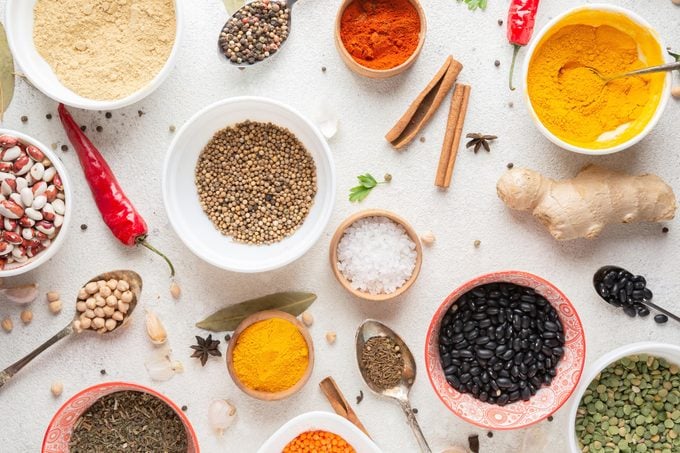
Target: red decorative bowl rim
(123,386)
(502,276)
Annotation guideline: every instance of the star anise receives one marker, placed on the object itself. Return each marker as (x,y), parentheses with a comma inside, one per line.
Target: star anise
(479,141)
(205,348)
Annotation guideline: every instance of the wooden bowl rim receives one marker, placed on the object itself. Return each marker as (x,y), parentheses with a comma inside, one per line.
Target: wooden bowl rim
(340,231)
(380,73)
(263,316)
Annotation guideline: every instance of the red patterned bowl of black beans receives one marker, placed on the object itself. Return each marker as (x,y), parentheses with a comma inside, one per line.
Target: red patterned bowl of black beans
(35,203)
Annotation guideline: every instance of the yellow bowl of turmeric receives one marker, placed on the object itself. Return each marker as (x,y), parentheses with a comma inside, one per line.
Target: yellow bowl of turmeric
(570,104)
(270,355)
(380,38)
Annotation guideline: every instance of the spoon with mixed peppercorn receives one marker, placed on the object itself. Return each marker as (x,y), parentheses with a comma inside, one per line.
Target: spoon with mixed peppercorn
(256,31)
(113,297)
(622,289)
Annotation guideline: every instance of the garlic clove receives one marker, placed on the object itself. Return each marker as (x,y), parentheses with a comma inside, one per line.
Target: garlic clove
(221,415)
(155,328)
(24,294)
(161,367)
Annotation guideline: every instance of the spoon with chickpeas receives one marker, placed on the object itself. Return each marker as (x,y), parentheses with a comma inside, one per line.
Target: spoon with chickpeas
(103,305)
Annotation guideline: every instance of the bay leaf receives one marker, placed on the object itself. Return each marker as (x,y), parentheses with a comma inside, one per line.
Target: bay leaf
(227,319)
(6,73)
(233,5)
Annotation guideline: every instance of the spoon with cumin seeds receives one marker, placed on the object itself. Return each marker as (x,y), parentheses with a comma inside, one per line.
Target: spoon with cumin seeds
(134,282)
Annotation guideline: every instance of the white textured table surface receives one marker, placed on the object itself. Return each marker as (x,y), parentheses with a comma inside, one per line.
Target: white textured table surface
(135,146)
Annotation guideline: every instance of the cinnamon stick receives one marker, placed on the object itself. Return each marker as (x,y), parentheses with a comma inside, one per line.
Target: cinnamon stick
(339,403)
(425,105)
(454,132)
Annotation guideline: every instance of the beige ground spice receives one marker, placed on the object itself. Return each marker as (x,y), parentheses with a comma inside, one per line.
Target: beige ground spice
(105,49)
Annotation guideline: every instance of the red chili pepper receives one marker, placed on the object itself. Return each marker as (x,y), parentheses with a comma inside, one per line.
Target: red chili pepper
(116,209)
(521,20)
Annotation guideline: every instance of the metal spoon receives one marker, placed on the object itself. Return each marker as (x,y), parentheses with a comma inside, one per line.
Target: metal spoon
(648,70)
(370,329)
(599,277)
(287,3)
(135,282)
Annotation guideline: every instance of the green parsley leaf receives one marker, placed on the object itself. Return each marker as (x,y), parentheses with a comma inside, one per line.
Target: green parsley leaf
(358,194)
(367,181)
(366,184)
(474,4)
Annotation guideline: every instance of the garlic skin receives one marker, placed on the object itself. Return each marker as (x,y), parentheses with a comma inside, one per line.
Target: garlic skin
(155,329)
(161,367)
(221,415)
(24,294)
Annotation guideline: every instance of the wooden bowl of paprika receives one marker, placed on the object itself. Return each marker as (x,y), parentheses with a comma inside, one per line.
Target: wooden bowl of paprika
(270,355)
(401,26)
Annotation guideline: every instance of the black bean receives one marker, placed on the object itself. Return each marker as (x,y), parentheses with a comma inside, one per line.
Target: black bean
(465,378)
(623,297)
(470,325)
(630,311)
(484,353)
(507,355)
(648,294)
(661,318)
(450,369)
(638,294)
(482,340)
(642,310)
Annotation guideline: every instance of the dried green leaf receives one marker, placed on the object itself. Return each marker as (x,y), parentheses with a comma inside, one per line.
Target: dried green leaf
(358,193)
(6,73)
(233,5)
(474,4)
(367,181)
(227,319)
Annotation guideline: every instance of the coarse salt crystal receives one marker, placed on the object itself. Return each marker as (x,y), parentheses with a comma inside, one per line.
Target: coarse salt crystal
(376,255)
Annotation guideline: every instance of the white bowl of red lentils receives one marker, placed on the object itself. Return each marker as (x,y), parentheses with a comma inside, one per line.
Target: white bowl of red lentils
(301,433)
(35,203)
(232,204)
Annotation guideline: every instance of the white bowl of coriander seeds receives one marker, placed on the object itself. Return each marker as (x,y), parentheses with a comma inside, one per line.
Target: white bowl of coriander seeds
(249,184)
(35,203)
(98,58)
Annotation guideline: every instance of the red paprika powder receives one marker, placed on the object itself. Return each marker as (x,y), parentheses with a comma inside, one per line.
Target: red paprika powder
(380,34)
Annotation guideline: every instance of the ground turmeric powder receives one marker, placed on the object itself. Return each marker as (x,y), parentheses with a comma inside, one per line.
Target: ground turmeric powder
(270,356)
(578,106)
(380,34)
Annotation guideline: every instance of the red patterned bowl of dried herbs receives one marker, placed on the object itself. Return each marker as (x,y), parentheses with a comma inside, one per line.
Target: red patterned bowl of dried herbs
(106,416)
(505,350)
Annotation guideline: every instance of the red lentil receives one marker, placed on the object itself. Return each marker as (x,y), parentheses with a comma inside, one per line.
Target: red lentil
(318,442)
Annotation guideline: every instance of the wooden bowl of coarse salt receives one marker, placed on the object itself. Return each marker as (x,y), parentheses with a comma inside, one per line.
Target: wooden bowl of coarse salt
(376,255)
(276,356)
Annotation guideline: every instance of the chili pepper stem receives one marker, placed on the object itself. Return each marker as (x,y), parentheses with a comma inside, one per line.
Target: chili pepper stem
(512,66)
(142,241)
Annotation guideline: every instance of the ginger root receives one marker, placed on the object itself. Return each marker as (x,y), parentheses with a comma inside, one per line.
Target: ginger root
(581,207)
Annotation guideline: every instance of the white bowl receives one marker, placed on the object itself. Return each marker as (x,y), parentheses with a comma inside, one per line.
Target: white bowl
(663,350)
(324,421)
(19,27)
(194,227)
(664,96)
(58,241)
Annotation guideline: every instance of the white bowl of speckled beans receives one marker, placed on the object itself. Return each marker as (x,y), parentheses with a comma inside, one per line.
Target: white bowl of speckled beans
(661,350)
(181,197)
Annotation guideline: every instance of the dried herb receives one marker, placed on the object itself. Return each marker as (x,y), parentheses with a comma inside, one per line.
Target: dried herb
(473,442)
(673,54)
(474,4)
(480,141)
(205,348)
(366,184)
(227,319)
(382,360)
(360,398)
(6,73)
(129,421)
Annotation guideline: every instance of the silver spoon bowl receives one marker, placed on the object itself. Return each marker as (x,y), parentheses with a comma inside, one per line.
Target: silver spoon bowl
(399,392)
(284,3)
(598,277)
(135,282)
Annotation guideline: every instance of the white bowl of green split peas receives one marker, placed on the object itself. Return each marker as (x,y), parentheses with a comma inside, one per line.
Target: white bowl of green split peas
(653,411)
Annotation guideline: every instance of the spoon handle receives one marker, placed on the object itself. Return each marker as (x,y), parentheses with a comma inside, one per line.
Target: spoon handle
(415,427)
(13,369)
(662,310)
(660,68)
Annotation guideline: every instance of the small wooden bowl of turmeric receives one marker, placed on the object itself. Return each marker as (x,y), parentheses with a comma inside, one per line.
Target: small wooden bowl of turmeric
(270,355)
(380,38)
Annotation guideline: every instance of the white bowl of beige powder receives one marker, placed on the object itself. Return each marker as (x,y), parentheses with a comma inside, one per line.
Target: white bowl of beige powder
(94,54)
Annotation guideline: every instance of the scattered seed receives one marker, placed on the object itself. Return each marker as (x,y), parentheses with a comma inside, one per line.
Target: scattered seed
(48,116)
(665,230)
(428,238)
(510,166)
(489,434)
(415,411)
(24,119)
(175,290)
(184,408)
(64,148)
(7,325)
(102,372)
(511,104)
(83,128)
(422,139)
(83,227)
(550,418)
(360,397)
(387,177)
(661,318)
(57,388)
(500,22)
(99,128)
(675,92)
(26,316)
(140,113)
(323,69)
(473,442)
(227,338)
(172,128)
(331,337)
(108,115)
(497,63)
(53,146)
(53,296)
(307,318)
(477,243)
(56,306)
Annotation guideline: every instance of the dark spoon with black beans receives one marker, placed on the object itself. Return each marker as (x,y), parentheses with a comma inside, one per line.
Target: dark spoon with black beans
(620,288)
(256,32)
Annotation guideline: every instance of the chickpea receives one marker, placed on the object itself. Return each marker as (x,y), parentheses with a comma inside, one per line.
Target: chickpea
(85,322)
(81,306)
(105,292)
(52,296)
(91,303)
(89,313)
(111,301)
(91,288)
(83,294)
(100,300)
(99,312)
(123,307)
(98,323)
(56,306)
(109,311)
(126,297)
(111,324)
(118,316)
(123,286)
(111,284)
